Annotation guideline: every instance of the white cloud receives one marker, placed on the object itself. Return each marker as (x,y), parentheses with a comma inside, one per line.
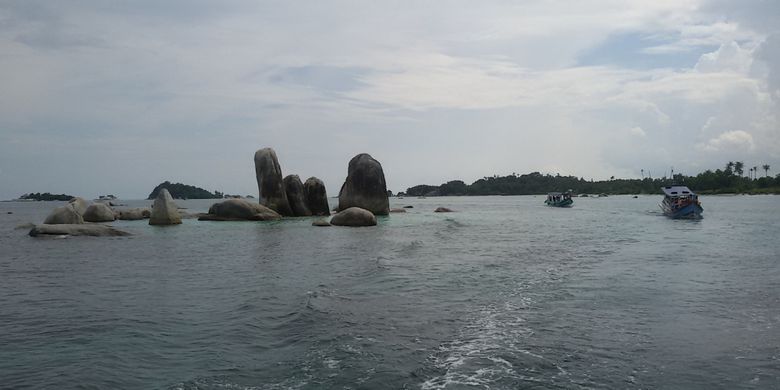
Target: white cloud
(736,141)
(728,58)
(637,131)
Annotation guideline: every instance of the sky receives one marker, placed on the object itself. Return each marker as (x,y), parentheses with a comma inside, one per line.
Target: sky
(114,97)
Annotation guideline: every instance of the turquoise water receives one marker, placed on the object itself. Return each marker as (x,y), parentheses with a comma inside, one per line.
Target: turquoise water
(504,293)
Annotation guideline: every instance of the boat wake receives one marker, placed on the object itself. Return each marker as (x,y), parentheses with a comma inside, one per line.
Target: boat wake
(491,352)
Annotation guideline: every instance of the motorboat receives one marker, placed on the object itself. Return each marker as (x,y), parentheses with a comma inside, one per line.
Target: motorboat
(559,199)
(680,202)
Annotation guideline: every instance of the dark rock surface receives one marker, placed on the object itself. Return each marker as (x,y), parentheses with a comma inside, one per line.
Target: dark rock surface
(296,196)
(365,186)
(239,210)
(316,196)
(270,183)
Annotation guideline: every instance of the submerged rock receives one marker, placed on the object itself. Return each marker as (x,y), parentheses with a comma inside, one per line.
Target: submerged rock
(354,216)
(320,222)
(316,196)
(164,211)
(239,210)
(397,210)
(270,184)
(408,207)
(296,196)
(442,210)
(365,186)
(64,215)
(95,230)
(99,212)
(133,214)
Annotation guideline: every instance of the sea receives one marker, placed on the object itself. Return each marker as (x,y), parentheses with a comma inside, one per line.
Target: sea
(502,293)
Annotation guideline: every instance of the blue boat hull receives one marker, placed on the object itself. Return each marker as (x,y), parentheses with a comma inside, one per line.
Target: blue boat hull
(562,203)
(689,211)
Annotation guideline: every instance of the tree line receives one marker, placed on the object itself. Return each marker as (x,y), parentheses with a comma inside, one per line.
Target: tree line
(45,196)
(731,179)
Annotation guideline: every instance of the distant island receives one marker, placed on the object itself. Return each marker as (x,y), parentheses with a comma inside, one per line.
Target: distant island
(184,191)
(45,196)
(730,180)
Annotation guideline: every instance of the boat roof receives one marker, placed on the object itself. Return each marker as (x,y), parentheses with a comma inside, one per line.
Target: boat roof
(677,191)
(557,193)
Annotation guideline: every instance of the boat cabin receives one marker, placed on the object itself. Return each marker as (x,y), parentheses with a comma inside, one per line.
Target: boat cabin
(558,196)
(677,192)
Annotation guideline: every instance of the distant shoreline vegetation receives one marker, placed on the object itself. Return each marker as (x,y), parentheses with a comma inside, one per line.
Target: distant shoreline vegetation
(45,196)
(184,191)
(730,180)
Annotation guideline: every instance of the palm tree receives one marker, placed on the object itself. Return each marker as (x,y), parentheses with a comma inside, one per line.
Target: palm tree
(739,168)
(750,173)
(643,173)
(766,169)
(730,167)
(755,172)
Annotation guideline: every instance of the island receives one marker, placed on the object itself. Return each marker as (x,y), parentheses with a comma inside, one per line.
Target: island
(45,196)
(184,191)
(730,180)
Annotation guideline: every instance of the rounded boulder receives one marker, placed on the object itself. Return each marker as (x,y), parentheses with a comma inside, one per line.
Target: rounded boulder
(79,205)
(99,212)
(354,216)
(239,210)
(64,215)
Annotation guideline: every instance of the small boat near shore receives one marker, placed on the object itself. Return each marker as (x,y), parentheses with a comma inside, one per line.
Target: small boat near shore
(680,202)
(559,199)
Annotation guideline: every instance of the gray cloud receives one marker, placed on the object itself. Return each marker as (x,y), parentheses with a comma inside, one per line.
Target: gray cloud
(115,96)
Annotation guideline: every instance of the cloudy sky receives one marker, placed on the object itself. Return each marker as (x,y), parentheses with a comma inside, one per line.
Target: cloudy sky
(106,96)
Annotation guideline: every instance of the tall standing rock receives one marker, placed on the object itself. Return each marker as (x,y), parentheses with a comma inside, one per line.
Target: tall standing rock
(316,196)
(269,182)
(365,186)
(295,196)
(164,211)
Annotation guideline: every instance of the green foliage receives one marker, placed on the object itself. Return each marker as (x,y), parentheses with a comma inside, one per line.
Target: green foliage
(45,196)
(729,180)
(184,191)
(422,190)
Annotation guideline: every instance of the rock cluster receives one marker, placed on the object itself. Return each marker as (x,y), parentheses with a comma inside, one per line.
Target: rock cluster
(288,196)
